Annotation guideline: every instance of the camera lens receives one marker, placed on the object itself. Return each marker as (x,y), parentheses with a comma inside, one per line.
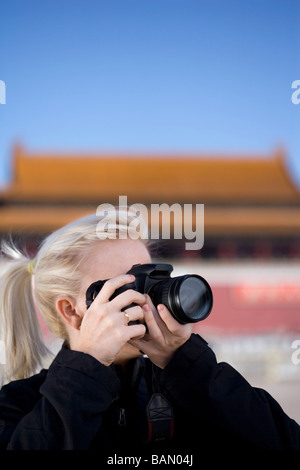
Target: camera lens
(189,298)
(194,298)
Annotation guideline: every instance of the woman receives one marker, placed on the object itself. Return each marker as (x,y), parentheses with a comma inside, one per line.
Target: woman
(100,391)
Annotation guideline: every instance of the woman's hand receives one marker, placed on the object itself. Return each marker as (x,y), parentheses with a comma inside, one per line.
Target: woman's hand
(165,335)
(104,329)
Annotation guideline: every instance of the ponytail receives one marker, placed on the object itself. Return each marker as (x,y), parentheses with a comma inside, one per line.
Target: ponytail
(19,324)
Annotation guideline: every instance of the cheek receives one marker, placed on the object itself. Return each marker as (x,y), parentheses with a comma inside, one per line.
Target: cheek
(81,307)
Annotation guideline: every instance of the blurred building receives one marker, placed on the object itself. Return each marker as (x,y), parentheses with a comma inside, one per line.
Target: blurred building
(251,214)
(252,207)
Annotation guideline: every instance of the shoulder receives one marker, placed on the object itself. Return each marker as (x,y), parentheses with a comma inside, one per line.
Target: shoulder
(23,393)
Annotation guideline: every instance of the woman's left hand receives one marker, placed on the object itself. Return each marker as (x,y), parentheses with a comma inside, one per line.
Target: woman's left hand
(164,336)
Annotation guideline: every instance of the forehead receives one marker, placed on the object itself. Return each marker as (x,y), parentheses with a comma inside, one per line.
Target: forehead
(109,258)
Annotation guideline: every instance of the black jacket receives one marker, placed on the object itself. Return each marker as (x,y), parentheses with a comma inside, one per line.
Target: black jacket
(81,404)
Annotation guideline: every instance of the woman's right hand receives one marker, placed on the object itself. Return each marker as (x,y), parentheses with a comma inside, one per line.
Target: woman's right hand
(104,328)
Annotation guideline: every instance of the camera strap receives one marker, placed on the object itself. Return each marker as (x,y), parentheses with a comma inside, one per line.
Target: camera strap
(156,415)
(160,418)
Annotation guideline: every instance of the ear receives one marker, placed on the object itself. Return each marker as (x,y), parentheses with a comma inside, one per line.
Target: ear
(66,308)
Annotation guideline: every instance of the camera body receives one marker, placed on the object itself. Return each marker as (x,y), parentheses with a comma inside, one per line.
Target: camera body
(188,298)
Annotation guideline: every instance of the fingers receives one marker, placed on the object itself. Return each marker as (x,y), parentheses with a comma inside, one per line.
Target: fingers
(105,327)
(151,320)
(127,298)
(134,314)
(111,285)
(135,331)
(123,299)
(114,312)
(168,319)
(156,318)
(160,320)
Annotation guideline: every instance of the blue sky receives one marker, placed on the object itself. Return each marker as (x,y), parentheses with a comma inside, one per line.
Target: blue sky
(150,76)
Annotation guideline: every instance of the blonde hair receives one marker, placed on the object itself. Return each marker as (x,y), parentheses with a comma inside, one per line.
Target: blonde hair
(56,271)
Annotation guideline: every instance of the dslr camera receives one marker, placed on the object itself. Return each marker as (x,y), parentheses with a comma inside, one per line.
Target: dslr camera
(188,298)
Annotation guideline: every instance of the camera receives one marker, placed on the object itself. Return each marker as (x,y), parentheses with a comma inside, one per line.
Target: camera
(188,298)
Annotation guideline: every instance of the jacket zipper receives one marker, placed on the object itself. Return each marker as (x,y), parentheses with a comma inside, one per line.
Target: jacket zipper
(122,417)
